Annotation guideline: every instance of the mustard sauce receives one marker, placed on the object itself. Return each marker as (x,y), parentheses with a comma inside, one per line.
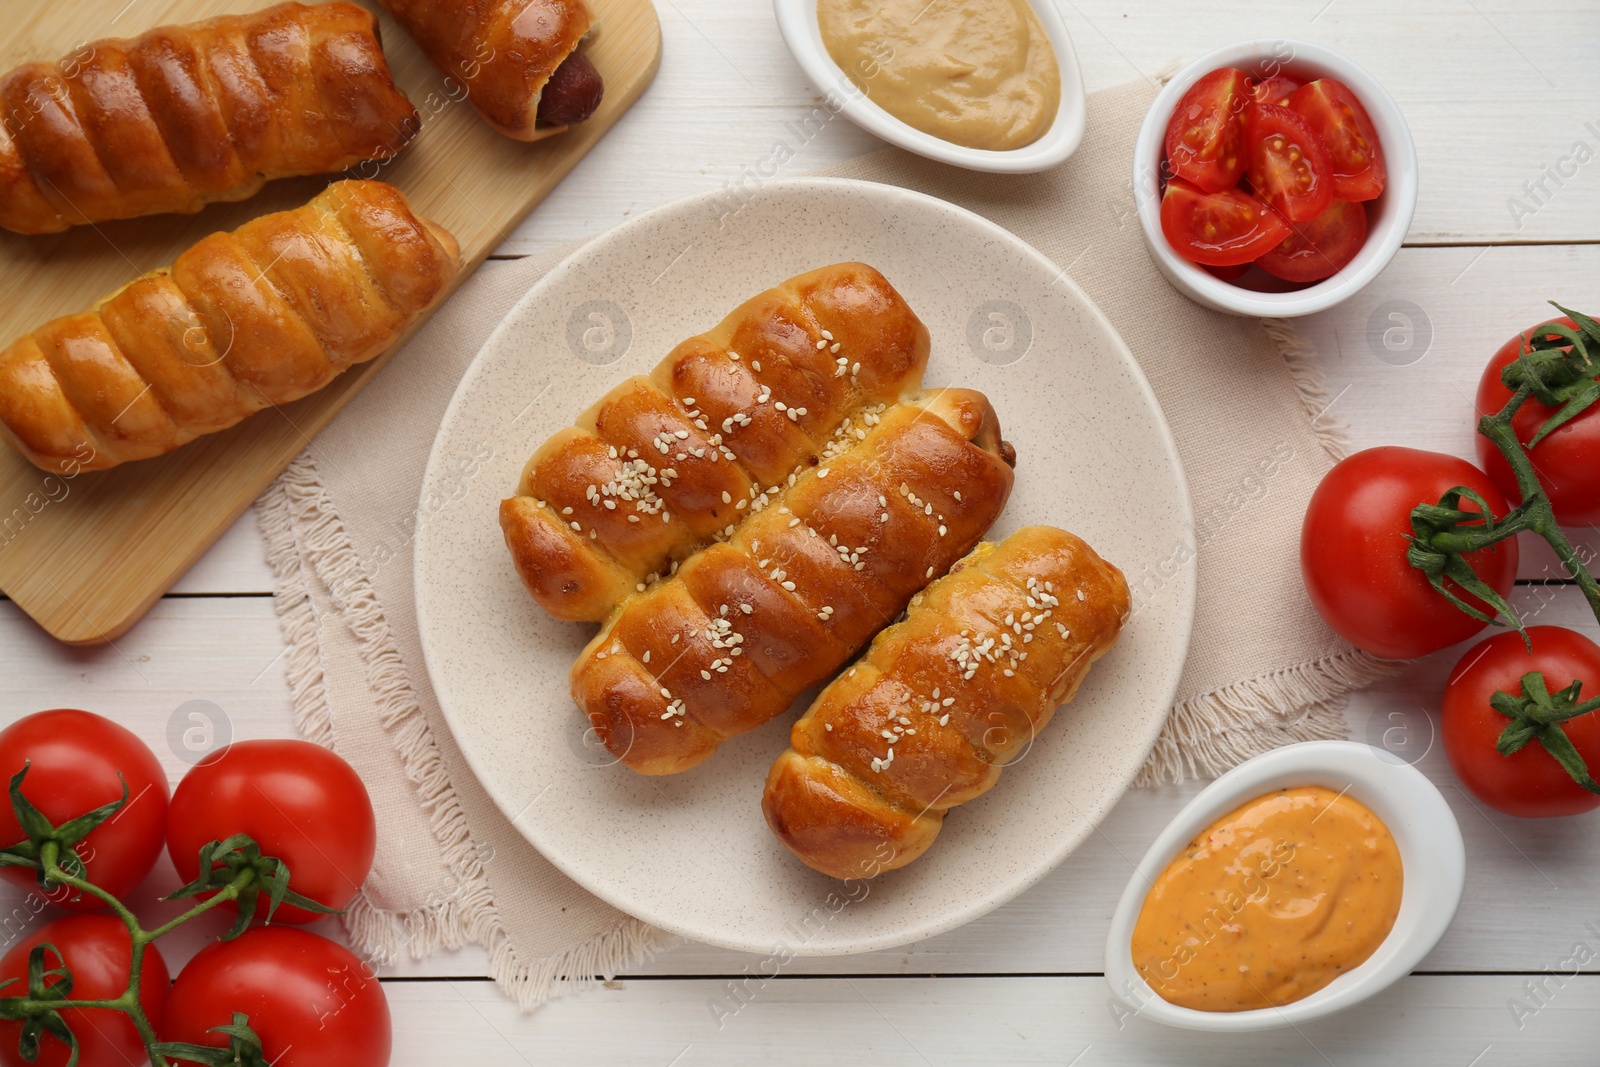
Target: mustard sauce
(1271,903)
(977,73)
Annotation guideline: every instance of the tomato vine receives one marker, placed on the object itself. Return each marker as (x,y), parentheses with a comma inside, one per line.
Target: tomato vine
(1558,366)
(232,869)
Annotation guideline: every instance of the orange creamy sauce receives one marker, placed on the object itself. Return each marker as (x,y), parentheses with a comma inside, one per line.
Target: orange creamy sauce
(1274,901)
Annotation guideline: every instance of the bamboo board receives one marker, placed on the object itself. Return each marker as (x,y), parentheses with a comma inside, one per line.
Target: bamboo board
(86,557)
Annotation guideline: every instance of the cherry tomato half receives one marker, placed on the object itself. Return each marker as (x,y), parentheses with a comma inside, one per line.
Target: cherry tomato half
(300,802)
(1205,137)
(1529,782)
(1274,90)
(1286,162)
(1218,229)
(313,1003)
(98,952)
(1338,119)
(1320,248)
(1353,552)
(74,757)
(1567,462)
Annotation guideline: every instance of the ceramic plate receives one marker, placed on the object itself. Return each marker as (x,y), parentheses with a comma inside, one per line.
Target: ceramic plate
(691,853)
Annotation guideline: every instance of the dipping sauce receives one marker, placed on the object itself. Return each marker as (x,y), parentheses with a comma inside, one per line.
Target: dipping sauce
(977,73)
(1274,901)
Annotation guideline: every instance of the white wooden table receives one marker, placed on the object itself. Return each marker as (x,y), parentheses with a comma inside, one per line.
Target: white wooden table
(1498,94)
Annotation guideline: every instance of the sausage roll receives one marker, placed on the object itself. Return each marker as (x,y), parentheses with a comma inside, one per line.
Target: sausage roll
(240,321)
(665,462)
(187,115)
(942,701)
(518,59)
(748,624)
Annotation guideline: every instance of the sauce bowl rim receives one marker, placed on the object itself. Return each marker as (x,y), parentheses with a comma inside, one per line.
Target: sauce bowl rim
(797,23)
(1432,858)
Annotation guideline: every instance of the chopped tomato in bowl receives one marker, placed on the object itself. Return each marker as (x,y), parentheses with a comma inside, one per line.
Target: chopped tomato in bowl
(1290,127)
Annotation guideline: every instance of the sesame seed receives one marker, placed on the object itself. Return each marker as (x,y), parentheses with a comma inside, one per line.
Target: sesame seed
(646,658)
(756,363)
(726,499)
(828,726)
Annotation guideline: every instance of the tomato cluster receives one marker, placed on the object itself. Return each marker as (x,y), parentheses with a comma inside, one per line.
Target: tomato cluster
(1270,172)
(309,1000)
(1353,553)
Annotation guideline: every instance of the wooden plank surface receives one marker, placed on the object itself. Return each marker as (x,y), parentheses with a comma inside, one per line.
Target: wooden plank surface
(221,658)
(88,561)
(1493,90)
(726,90)
(1449,1021)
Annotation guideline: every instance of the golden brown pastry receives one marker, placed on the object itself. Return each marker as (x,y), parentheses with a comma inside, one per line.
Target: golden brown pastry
(187,115)
(942,701)
(665,462)
(748,624)
(517,59)
(241,321)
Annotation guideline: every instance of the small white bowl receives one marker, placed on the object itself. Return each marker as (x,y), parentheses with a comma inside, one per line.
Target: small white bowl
(1432,858)
(1389,216)
(797,21)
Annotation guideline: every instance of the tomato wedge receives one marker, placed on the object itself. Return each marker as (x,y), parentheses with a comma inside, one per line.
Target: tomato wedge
(1218,229)
(1274,90)
(1205,137)
(1229,273)
(1320,248)
(1286,162)
(1337,117)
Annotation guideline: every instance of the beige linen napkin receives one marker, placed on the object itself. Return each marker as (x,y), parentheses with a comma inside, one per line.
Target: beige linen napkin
(1245,407)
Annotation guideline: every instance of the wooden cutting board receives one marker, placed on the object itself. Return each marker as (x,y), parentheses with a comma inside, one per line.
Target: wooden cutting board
(87,556)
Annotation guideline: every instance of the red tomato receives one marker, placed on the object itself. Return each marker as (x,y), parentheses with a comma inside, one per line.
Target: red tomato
(1218,229)
(300,802)
(74,759)
(1567,462)
(1204,136)
(1529,782)
(97,950)
(1320,248)
(312,1002)
(1353,552)
(1344,127)
(1230,273)
(1274,90)
(1287,165)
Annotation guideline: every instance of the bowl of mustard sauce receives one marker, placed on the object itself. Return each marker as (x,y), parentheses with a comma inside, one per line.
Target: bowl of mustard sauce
(1298,884)
(990,85)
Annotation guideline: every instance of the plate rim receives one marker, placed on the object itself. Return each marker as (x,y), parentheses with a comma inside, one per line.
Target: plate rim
(1045,861)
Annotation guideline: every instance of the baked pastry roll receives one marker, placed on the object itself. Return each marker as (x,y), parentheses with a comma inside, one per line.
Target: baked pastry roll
(748,624)
(240,321)
(942,701)
(187,115)
(517,59)
(666,462)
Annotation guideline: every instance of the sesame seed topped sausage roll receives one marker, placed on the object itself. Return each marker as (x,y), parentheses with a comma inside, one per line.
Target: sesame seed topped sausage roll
(942,701)
(746,625)
(669,461)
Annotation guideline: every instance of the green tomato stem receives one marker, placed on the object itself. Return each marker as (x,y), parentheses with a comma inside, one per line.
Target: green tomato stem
(128,1002)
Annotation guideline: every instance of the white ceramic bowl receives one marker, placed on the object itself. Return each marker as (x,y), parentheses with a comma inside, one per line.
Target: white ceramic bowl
(797,21)
(1389,216)
(1432,858)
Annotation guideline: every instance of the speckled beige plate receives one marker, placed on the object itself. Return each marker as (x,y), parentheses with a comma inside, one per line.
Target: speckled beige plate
(691,853)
